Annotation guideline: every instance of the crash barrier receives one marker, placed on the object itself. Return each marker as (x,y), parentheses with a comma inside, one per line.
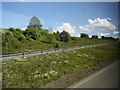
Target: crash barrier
(32,53)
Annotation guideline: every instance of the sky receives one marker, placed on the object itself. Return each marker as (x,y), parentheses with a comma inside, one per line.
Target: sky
(93,18)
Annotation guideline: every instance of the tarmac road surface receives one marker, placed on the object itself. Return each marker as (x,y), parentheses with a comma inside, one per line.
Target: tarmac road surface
(105,78)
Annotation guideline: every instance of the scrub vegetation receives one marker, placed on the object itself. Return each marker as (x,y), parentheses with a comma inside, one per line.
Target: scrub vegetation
(32,39)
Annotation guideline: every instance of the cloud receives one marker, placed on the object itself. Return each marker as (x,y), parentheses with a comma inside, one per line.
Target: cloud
(98,24)
(78,35)
(104,34)
(23,28)
(51,32)
(109,19)
(67,27)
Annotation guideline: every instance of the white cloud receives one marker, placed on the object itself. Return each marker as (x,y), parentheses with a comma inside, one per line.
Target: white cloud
(116,32)
(67,27)
(78,35)
(23,28)
(98,24)
(104,34)
(51,32)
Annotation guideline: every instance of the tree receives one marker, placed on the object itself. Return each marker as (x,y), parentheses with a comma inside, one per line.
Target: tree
(94,36)
(32,33)
(34,23)
(11,29)
(103,37)
(84,35)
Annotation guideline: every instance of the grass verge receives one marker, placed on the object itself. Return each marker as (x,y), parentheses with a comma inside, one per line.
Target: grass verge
(37,71)
(27,46)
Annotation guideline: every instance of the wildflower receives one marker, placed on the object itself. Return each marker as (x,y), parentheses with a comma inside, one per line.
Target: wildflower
(57,54)
(92,57)
(53,62)
(57,57)
(4,63)
(78,55)
(52,72)
(85,55)
(66,56)
(35,76)
(73,51)
(45,75)
(36,72)
(66,61)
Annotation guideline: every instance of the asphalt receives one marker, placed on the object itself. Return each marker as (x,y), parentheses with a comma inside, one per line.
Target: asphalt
(105,78)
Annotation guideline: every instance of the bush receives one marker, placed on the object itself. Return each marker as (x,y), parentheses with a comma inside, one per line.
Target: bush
(32,33)
(20,38)
(11,29)
(84,35)
(94,36)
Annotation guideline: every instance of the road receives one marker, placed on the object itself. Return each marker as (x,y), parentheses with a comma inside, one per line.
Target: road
(33,53)
(105,78)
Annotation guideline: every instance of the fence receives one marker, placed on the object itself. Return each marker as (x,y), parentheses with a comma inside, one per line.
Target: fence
(32,53)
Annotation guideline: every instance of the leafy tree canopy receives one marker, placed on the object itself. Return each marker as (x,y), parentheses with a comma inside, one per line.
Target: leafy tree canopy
(84,35)
(34,23)
(94,36)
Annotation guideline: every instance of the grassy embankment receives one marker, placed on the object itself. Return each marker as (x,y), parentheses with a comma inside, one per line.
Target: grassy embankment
(33,45)
(16,40)
(31,72)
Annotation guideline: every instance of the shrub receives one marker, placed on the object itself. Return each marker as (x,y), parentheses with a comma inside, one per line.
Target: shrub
(94,36)
(84,35)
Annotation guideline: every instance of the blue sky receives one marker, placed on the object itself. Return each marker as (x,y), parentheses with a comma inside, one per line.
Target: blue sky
(76,17)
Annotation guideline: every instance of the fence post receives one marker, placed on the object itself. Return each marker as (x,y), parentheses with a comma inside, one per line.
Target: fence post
(65,48)
(55,50)
(41,51)
(23,54)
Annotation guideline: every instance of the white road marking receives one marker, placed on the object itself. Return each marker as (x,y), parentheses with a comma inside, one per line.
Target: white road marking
(93,76)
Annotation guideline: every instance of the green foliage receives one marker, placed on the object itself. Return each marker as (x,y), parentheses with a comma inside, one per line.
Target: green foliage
(84,35)
(32,33)
(109,38)
(94,36)
(57,45)
(68,37)
(74,38)
(50,38)
(103,37)
(34,23)
(57,35)
(36,39)
(11,29)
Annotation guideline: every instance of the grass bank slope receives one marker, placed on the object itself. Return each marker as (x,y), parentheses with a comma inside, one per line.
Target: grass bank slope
(35,71)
